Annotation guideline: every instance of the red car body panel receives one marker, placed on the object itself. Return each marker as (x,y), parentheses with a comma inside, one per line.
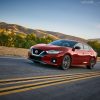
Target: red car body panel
(78,57)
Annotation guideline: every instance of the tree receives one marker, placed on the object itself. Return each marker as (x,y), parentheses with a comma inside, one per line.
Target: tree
(95,45)
(30,40)
(4,38)
(19,41)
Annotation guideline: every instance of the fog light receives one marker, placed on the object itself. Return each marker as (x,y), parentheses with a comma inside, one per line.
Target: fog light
(53,60)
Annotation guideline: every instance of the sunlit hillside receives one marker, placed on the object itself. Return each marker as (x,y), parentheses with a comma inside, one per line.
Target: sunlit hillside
(39,33)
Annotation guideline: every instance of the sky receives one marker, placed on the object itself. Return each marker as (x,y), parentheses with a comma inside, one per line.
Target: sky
(80,18)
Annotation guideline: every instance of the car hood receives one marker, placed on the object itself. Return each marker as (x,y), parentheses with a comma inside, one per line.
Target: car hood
(46,47)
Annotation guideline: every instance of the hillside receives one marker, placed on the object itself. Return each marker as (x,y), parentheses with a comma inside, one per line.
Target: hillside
(64,36)
(39,33)
(97,39)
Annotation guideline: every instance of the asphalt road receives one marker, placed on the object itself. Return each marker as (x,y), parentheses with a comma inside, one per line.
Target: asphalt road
(15,67)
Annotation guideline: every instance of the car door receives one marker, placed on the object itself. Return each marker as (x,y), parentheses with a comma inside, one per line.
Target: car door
(87,54)
(78,55)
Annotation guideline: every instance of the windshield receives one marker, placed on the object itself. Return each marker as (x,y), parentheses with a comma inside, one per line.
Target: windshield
(66,43)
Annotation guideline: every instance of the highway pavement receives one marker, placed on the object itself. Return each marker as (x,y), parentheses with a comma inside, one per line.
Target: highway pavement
(21,79)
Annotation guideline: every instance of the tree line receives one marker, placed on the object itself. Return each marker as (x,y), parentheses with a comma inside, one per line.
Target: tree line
(95,45)
(21,40)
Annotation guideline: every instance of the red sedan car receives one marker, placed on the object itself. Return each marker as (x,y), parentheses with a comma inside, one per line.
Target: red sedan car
(64,53)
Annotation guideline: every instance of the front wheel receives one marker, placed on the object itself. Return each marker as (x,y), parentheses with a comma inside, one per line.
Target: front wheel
(91,64)
(66,62)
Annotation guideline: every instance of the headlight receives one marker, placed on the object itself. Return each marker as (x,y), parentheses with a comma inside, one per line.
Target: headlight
(53,51)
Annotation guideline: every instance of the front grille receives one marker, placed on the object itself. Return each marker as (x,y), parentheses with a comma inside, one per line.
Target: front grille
(36,51)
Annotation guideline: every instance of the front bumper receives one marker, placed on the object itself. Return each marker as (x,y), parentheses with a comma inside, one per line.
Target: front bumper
(51,59)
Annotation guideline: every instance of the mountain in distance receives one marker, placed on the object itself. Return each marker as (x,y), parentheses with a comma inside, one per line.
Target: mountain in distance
(39,33)
(20,29)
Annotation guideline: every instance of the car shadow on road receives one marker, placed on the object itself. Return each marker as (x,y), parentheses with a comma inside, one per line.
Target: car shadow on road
(43,66)
(50,67)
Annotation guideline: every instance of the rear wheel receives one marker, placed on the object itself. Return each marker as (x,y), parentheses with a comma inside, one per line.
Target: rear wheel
(66,62)
(92,63)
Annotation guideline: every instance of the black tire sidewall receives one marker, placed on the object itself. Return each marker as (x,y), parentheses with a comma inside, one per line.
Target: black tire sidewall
(62,63)
(90,66)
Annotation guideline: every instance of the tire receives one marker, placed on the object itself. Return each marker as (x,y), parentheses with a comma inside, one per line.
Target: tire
(66,62)
(91,64)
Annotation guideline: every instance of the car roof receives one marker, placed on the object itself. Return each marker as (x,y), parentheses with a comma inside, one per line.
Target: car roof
(74,41)
(69,40)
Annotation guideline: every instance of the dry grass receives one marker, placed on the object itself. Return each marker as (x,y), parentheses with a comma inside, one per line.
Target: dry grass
(13,51)
(98,58)
(16,51)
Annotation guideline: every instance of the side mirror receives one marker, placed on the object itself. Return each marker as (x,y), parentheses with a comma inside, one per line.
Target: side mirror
(76,47)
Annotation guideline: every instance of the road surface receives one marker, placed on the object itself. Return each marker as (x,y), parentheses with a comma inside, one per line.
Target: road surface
(18,75)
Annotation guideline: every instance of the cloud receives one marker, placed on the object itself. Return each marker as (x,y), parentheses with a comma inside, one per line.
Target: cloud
(90,1)
(87,1)
(96,2)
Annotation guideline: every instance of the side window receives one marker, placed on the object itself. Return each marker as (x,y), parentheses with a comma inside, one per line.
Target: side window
(90,48)
(66,44)
(79,45)
(86,47)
